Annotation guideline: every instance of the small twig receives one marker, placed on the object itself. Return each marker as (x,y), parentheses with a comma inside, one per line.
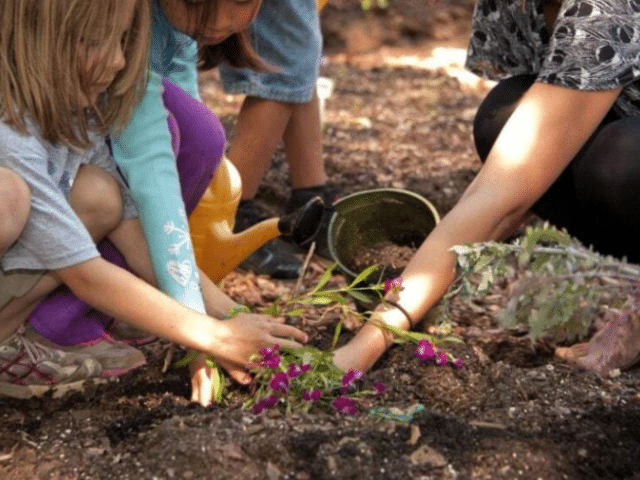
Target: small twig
(303,271)
(168,359)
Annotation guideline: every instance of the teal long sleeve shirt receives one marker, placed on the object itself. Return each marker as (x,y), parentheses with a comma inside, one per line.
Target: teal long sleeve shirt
(144,153)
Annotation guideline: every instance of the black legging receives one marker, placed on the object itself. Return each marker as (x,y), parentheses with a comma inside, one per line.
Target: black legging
(597,197)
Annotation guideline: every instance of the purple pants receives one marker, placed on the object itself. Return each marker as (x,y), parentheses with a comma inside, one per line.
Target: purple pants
(198,140)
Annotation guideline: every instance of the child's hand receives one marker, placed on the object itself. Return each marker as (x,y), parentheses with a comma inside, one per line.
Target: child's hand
(245,334)
(203,377)
(201,380)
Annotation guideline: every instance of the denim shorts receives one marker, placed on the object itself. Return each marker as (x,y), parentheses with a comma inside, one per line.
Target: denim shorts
(286,34)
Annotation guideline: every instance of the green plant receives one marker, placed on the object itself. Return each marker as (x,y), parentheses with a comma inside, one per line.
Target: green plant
(300,378)
(559,285)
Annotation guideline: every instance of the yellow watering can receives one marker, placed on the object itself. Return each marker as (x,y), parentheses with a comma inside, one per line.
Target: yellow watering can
(217,249)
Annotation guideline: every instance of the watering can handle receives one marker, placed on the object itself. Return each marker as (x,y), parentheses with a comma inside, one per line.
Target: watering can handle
(303,224)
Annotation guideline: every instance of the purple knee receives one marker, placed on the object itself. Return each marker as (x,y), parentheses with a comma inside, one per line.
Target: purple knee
(201,142)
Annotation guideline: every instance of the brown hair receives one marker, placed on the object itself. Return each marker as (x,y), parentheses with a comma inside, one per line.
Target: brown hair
(235,50)
(43,50)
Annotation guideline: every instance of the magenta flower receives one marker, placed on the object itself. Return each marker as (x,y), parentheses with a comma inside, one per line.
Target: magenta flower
(312,395)
(351,377)
(265,404)
(345,405)
(279,382)
(379,388)
(294,370)
(394,285)
(270,359)
(441,358)
(425,351)
(305,367)
(459,363)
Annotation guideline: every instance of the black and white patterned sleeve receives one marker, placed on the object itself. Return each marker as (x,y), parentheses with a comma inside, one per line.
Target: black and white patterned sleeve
(595,45)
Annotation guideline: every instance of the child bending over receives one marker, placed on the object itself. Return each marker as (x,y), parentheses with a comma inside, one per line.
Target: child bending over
(61,192)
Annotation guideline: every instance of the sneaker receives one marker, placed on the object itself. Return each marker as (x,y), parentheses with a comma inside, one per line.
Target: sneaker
(129,334)
(29,368)
(115,357)
(277,258)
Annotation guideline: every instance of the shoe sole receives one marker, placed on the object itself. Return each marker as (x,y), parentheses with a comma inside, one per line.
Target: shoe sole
(57,391)
(116,372)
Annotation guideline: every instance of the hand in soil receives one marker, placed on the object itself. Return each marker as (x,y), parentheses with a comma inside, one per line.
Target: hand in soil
(204,377)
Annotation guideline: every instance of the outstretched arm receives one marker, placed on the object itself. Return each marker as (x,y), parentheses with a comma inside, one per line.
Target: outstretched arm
(129,239)
(117,292)
(542,136)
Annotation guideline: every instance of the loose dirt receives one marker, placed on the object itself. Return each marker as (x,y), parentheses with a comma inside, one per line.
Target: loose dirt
(397,118)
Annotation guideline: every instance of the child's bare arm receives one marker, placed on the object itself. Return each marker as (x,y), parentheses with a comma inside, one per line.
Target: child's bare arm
(117,292)
(128,238)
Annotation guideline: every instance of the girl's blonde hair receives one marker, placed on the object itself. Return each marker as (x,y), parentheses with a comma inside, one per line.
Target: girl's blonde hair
(44,47)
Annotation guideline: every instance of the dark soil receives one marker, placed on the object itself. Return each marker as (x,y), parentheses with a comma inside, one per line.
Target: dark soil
(514,411)
(385,254)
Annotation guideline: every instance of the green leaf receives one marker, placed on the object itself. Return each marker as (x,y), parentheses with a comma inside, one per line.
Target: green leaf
(187,359)
(360,296)
(323,298)
(336,335)
(363,275)
(324,278)
(218,382)
(271,309)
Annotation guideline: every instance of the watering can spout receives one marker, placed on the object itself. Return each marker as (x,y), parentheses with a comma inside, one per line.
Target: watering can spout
(217,249)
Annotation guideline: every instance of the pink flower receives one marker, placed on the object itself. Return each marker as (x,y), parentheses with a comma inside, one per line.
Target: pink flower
(425,351)
(459,363)
(305,367)
(294,370)
(351,377)
(313,395)
(441,358)
(345,405)
(270,359)
(279,382)
(394,285)
(265,404)
(379,388)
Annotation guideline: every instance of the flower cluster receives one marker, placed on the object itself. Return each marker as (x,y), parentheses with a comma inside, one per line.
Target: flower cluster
(303,377)
(393,285)
(287,376)
(425,351)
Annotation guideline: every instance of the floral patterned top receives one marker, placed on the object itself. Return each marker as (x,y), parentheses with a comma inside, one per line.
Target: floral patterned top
(595,45)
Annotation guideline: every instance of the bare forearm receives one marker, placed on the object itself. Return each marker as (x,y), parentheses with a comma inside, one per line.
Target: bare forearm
(216,302)
(530,153)
(117,292)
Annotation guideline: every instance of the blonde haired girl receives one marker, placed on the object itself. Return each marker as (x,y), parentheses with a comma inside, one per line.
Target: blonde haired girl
(168,153)
(50,89)
(61,192)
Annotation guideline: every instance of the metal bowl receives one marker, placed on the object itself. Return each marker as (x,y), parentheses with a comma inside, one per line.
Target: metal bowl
(365,219)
